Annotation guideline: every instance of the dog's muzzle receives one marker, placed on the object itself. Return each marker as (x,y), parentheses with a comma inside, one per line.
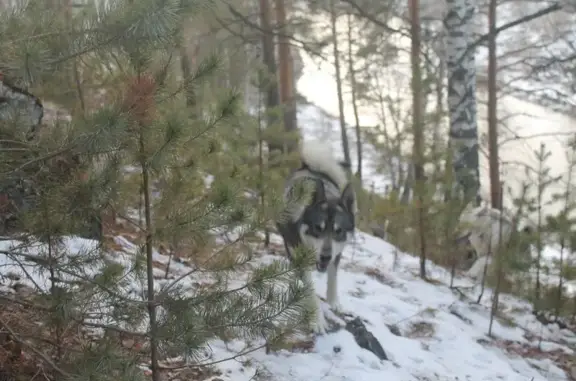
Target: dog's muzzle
(322,264)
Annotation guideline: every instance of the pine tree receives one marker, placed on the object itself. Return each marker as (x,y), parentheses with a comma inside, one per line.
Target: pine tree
(542,180)
(79,167)
(562,224)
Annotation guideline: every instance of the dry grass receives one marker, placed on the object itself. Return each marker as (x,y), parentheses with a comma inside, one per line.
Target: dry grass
(377,275)
(420,329)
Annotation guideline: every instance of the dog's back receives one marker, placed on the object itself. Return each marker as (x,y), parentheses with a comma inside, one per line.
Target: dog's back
(318,163)
(327,218)
(317,158)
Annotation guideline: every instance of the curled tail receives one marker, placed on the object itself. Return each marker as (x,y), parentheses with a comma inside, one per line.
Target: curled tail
(319,157)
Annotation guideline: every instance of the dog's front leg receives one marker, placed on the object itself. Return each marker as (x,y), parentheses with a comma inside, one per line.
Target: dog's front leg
(318,325)
(332,287)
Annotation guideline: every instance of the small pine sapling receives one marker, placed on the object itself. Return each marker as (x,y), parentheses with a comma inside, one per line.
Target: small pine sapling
(562,223)
(543,181)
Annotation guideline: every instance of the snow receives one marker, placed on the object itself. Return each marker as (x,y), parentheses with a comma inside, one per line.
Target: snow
(381,285)
(18,268)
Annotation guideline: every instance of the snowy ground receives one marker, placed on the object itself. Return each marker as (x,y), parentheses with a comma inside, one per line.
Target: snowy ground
(435,344)
(442,335)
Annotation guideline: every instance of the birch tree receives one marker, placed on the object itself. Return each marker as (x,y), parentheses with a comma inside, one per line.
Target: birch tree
(461,70)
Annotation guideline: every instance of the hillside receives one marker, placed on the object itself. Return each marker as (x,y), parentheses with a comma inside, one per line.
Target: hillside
(428,331)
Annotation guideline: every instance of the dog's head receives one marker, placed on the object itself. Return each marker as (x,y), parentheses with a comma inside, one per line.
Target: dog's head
(466,254)
(327,224)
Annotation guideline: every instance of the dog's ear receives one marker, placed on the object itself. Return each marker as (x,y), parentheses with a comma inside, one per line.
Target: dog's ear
(348,197)
(319,194)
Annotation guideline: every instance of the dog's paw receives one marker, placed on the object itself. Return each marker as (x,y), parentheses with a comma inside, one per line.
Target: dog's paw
(335,305)
(320,325)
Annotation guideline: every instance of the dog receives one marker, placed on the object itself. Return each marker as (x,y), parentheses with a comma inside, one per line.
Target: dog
(487,231)
(325,223)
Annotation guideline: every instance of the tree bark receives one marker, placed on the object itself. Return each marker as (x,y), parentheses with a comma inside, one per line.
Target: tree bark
(492,110)
(461,69)
(439,112)
(345,145)
(418,149)
(286,72)
(352,74)
(270,85)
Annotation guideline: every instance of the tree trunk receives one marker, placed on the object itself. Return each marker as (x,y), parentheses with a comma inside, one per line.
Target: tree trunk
(418,149)
(461,70)
(498,255)
(539,232)
(492,110)
(352,74)
(286,72)
(345,145)
(407,186)
(439,112)
(270,85)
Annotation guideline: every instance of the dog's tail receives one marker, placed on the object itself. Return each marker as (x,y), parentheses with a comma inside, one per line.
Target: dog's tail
(318,156)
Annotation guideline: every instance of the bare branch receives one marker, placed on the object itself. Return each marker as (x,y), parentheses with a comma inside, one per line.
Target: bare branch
(522,20)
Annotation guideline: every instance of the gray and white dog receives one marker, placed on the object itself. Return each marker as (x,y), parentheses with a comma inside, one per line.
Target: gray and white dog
(325,223)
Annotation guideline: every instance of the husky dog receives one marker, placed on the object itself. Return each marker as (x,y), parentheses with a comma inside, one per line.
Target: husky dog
(485,228)
(323,224)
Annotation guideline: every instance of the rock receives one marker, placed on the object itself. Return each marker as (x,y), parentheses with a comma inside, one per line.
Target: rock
(547,318)
(23,290)
(394,329)
(365,338)
(12,276)
(378,231)
(460,316)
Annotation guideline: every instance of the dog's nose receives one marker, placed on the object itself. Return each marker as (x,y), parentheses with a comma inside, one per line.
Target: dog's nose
(325,258)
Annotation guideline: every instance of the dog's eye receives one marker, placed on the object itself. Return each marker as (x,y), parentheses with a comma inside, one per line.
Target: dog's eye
(317,228)
(339,232)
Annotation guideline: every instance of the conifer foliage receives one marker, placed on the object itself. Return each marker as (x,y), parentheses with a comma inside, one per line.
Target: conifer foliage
(141,153)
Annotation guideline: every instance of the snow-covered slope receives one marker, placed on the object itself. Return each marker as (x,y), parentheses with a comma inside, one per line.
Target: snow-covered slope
(438,335)
(429,332)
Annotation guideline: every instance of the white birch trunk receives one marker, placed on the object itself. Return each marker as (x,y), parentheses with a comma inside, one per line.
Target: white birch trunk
(461,70)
